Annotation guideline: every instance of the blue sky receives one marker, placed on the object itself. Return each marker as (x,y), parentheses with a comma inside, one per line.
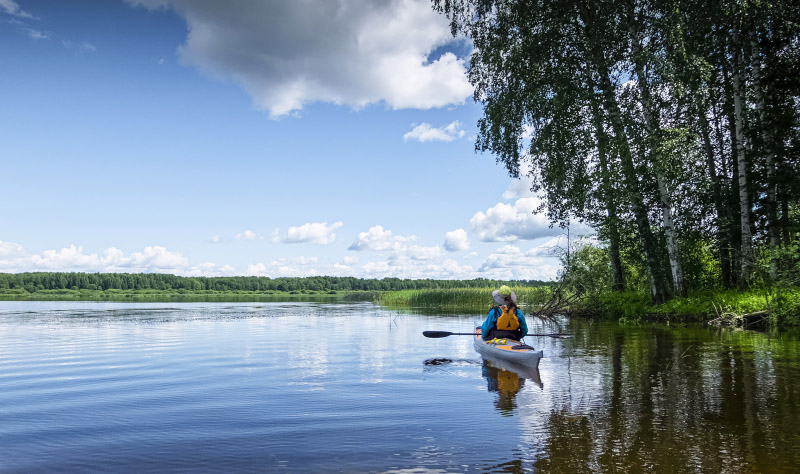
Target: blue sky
(251,138)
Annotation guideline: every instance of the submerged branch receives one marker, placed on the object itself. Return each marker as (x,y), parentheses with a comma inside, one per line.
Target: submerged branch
(559,303)
(733,319)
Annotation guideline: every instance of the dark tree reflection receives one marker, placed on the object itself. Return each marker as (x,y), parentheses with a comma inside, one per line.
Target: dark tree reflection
(661,399)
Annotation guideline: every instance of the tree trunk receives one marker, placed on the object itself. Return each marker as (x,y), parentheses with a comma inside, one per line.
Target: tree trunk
(769,155)
(612,222)
(658,286)
(746,254)
(597,64)
(729,171)
(726,181)
(654,131)
(719,204)
(672,239)
(787,236)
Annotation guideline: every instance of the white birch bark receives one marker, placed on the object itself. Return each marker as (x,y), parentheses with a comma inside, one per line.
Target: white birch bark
(741,165)
(665,201)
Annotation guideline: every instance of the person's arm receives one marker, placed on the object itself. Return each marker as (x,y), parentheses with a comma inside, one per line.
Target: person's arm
(522,324)
(488,324)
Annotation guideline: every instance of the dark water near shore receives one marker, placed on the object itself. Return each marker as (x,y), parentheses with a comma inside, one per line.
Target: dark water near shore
(321,387)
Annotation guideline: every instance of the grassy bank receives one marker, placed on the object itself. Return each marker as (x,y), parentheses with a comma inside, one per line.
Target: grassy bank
(781,304)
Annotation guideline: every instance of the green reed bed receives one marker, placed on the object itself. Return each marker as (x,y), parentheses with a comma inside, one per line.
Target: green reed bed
(462,299)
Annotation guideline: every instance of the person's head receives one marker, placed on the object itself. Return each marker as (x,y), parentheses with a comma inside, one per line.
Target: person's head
(505,296)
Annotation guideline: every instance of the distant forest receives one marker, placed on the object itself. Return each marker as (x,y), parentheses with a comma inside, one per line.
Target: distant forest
(32,282)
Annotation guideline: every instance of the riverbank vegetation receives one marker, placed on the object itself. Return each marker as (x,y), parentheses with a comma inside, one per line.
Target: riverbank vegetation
(777,306)
(586,287)
(587,272)
(154,286)
(671,129)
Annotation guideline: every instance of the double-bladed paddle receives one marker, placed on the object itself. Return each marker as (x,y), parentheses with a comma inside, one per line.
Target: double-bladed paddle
(438,334)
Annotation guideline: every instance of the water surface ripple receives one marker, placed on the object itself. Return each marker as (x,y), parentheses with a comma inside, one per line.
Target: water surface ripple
(323,387)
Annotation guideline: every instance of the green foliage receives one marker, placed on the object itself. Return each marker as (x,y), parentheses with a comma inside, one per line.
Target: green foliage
(783,305)
(788,265)
(630,117)
(700,265)
(625,306)
(44,283)
(588,274)
(587,270)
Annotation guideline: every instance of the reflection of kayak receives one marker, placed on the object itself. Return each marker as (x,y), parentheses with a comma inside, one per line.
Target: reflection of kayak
(507,349)
(525,371)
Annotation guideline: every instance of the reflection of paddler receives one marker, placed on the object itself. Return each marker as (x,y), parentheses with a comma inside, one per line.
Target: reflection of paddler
(505,383)
(508,381)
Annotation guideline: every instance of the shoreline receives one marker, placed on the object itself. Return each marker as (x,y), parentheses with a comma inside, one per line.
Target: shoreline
(773,307)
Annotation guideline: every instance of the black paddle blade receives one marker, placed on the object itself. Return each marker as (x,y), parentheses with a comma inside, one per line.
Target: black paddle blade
(436,334)
(445,333)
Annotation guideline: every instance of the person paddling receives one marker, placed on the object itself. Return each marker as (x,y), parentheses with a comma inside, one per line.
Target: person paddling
(504,320)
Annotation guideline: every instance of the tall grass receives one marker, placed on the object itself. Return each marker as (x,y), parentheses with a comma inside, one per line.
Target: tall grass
(782,304)
(462,299)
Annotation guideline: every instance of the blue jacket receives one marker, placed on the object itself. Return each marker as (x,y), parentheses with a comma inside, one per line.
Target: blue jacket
(495,313)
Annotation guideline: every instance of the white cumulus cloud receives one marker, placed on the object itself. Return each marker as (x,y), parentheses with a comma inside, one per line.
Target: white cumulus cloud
(82,46)
(12,8)
(285,267)
(378,270)
(36,34)
(509,222)
(379,239)
(416,252)
(519,188)
(13,258)
(424,132)
(286,54)
(456,240)
(10,249)
(406,268)
(209,269)
(311,232)
(509,262)
(73,258)
(247,235)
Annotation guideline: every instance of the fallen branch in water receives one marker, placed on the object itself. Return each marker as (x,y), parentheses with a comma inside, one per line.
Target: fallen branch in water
(733,319)
(559,302)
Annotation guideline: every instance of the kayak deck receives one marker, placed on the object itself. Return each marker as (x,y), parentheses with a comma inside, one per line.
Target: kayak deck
(507,349)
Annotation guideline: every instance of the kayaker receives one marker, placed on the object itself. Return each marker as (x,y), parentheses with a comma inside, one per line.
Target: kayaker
(504,321)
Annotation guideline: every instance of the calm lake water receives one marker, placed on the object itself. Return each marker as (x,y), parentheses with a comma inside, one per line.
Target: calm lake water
(316,387)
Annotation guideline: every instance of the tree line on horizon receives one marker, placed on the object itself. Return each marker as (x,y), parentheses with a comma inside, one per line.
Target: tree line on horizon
(672,127)
(32,282)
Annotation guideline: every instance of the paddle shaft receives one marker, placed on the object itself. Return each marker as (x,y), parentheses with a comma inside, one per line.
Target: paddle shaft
(437,334)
